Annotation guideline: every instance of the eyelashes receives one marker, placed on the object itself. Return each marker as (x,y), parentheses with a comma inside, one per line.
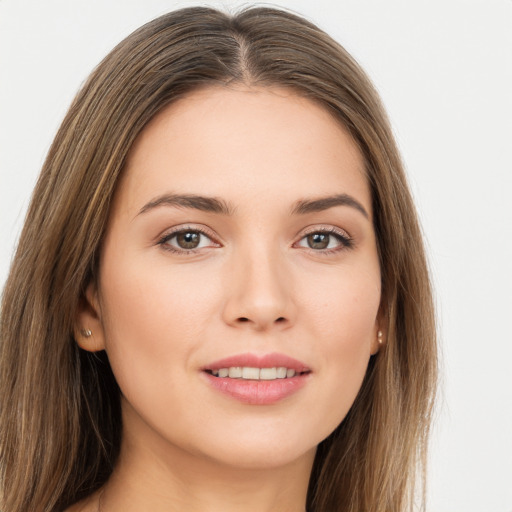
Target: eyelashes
(187,240)
(318,240)
(326,240)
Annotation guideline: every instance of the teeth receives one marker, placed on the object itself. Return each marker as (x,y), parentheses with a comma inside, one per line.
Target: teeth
(235,372)
(281,372)
(249,373)
(268,374)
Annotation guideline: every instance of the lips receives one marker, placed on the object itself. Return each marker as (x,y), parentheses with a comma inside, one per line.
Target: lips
(257,380)
(273,360)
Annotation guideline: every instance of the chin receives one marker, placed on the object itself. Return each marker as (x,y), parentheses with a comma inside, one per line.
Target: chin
(266,449)
(263,457)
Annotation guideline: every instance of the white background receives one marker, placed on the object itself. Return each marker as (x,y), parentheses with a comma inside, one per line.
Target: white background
(444,71)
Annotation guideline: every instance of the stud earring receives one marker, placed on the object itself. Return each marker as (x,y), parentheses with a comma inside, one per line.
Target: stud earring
(86,333)
(379,337)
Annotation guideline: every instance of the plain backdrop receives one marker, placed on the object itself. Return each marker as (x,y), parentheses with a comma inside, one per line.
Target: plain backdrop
(444,71)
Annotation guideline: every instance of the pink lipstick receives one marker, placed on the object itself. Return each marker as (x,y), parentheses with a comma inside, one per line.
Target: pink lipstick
(257,380)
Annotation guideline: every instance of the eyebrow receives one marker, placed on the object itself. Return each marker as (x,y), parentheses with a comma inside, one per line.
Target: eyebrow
(202,203)
(324,203)
(219,206)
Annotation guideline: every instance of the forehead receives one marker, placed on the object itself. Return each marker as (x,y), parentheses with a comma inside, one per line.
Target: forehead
(223,141)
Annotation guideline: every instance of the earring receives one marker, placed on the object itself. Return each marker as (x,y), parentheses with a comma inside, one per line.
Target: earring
(86,333)
(379,337)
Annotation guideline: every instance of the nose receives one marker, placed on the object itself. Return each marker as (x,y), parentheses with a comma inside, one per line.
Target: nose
(259,293)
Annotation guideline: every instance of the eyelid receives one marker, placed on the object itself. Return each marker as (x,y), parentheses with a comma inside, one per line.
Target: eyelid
(324,228)
(345,239)
(176,230)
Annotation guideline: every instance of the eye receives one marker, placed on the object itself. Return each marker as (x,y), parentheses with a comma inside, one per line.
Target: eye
(326,240)
(185,240)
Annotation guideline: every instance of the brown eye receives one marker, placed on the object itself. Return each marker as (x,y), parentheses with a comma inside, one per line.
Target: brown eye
(188,239)
(325,241)
(318,240)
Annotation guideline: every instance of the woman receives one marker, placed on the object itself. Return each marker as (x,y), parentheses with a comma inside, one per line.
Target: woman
(220,298)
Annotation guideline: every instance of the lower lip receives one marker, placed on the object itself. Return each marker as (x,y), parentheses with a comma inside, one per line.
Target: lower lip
(258,392)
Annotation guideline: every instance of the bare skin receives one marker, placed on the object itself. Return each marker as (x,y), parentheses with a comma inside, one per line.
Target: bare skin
(283,260)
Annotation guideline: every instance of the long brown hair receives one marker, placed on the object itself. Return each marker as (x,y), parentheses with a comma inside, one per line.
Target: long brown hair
(60,422)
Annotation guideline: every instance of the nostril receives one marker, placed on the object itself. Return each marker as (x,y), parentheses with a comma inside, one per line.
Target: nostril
(244,319)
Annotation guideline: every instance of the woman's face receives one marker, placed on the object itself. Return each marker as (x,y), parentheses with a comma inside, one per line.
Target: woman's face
(240,238)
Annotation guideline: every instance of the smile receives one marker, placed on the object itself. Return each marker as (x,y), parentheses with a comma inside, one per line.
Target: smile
(251,373)
(257,379)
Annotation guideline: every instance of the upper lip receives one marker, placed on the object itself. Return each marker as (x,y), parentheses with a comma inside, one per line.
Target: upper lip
(273,360)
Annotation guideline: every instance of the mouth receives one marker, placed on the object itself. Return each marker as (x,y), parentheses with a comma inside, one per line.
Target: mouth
(255,373)
(257,380)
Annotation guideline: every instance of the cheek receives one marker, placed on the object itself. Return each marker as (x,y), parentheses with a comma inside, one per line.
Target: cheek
(343,306)
(342,316)
(152,315)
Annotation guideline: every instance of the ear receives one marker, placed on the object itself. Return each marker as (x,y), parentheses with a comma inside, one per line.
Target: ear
(89,330)
(380,333)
